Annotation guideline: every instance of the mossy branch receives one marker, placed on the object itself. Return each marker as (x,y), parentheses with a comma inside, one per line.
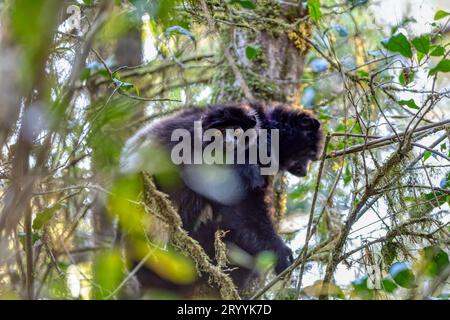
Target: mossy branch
(159,203)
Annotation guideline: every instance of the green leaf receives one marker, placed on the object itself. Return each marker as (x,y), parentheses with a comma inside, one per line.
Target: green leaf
(314,9)
(406,78)
(389,285)
(247,4)
(96,68)
(435,260)
(265,260)
(44,216)
(108,273)
(361,289)
(85,74)
(442,66)
(436,198)
(162,12)
(398,43)
(317,288)
(27,18)
(104,73)
(181,31)
(420,56)
(409,103)
(251,52)
(35,236)
(441,14)
(422,44)
(362,74)
(438,51)
(347,175)
(402,275)
(426,155)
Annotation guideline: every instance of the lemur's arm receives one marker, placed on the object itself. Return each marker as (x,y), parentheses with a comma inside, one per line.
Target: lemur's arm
(250,228)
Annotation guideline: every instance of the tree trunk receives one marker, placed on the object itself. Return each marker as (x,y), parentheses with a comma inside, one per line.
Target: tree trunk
(273,73)
(128,52)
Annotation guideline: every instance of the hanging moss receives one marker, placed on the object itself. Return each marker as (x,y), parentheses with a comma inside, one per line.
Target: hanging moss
(220,248)
(263,88)
(158,204)
(297,37)
(280,198)
(389,252)
(268,8)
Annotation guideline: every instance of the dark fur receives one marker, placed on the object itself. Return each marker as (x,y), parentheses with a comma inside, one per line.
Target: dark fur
(248,220)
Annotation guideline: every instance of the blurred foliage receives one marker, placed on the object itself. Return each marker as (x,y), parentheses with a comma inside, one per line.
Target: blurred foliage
(64,129)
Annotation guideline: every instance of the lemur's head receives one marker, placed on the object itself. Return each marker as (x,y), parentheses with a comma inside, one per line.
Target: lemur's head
(301,138)
(233,123)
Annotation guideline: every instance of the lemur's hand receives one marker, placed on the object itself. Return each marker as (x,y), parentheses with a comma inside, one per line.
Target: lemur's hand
(284,256)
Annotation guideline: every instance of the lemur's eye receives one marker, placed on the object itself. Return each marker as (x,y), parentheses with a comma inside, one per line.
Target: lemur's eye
(306,122)
(310,123)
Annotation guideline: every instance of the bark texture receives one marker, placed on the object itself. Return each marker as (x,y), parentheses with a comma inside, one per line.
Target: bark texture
(274,73)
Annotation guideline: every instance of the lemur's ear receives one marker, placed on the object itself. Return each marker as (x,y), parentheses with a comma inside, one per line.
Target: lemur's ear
(214,118)
(230,116)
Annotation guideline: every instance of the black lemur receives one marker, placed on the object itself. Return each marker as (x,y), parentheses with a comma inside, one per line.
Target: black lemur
(237,196)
